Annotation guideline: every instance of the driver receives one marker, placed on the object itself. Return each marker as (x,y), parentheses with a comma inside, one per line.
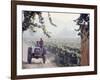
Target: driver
(41,43)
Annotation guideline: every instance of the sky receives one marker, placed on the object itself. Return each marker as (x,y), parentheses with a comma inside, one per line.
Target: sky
(65,26)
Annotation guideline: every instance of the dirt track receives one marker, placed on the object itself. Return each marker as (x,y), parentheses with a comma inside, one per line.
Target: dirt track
(38,63)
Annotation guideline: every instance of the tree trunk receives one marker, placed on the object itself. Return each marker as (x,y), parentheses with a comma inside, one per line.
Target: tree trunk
(84,51)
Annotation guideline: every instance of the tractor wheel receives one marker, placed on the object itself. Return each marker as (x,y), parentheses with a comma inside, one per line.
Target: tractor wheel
(44,59)
(29,55)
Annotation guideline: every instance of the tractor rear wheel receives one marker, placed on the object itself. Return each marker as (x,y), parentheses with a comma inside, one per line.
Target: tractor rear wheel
(29,55)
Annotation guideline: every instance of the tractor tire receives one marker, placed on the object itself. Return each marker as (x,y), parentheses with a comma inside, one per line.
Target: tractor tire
(29,58)
(44,59)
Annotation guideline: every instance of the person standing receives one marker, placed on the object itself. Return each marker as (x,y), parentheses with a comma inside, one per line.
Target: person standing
(41,43)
